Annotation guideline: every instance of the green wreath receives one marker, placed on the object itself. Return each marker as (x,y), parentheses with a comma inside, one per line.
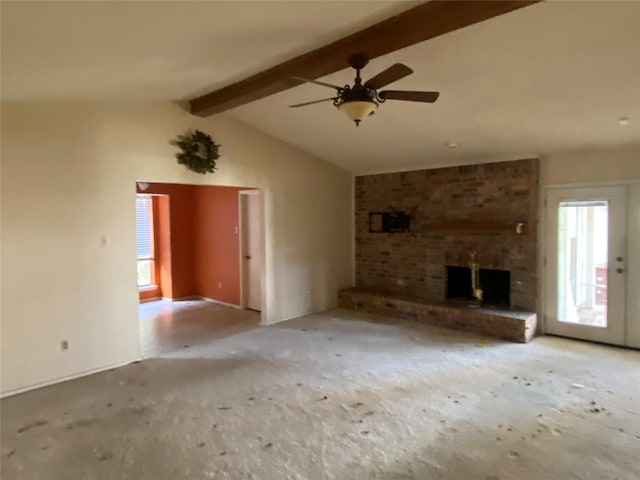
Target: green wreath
(199,152)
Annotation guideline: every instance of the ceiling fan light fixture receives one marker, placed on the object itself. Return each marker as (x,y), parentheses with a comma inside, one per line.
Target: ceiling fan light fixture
(358,110)
(361,100)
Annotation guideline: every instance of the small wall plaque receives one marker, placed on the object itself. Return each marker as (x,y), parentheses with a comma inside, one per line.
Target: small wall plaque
(389,222)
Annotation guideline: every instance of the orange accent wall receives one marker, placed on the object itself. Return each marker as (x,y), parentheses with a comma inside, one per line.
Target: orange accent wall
(181,205)
(198,246)
(163,245)
(217,244)
(180,242)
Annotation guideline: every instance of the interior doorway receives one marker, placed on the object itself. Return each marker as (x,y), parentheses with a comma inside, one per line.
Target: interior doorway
(190,268)
(252,249)
(592,247)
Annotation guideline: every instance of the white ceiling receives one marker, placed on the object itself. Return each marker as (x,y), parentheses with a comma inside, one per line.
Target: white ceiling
(551,77)
(162,50)
(548,78)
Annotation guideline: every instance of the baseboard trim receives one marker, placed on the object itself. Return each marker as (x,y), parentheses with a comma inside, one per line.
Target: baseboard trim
(206,299)
(150,299)
(183,299)
(18,391)
(35,386)
(220,302)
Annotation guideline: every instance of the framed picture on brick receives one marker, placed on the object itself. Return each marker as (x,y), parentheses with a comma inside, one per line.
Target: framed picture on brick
(389,222)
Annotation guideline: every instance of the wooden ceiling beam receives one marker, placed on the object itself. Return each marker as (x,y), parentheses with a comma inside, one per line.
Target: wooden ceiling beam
(425,21)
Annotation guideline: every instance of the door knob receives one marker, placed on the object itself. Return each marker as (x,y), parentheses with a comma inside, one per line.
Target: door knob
(248,257)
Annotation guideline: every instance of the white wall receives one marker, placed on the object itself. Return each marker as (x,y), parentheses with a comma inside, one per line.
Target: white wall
(68,178)
(633,269)
(609,166)
(604,165)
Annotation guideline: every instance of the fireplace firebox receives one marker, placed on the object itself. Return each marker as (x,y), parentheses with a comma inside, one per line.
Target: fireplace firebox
(495,285)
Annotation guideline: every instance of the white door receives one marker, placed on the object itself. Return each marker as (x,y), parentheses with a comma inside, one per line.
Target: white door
(252,249)
(586,263)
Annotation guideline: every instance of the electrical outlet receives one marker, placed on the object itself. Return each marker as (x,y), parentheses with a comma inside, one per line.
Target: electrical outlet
(219,284)
(64,345)
(104,241)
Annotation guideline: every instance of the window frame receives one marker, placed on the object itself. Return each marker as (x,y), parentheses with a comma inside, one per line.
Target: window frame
(152,258)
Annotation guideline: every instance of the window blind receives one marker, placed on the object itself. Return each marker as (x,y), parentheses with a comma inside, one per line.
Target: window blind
(144,227)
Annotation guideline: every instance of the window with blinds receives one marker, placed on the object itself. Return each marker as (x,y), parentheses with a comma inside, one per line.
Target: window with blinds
(144,240)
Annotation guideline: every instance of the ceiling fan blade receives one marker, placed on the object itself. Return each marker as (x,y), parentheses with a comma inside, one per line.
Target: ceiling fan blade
(311,103)
(390,75)
(317,82)
(409,96)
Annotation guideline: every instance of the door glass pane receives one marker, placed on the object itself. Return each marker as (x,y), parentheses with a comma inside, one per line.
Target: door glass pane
(583,232)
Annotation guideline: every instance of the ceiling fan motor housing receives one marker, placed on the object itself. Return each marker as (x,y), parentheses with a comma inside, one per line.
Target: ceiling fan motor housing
(362,94)
(358,60)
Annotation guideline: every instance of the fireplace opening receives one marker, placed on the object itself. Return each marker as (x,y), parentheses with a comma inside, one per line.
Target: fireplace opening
(495,285)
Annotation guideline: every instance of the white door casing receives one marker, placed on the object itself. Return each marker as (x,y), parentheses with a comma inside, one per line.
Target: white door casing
(251,249)
(602,283)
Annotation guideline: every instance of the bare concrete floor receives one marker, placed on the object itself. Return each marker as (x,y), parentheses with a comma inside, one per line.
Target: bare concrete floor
(167,326)
(339,395)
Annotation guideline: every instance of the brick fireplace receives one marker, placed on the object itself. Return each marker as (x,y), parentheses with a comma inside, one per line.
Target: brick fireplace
(452,209)
(495,285)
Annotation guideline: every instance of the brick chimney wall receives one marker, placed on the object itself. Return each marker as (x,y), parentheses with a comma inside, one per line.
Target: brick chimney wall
(503,192)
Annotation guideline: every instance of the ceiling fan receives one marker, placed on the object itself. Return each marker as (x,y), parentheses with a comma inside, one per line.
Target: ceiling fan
(362,99)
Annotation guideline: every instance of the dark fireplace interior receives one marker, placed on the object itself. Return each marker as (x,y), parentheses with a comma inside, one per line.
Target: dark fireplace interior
(494,285)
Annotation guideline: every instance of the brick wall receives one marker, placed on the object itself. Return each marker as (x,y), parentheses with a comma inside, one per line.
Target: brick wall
(486,193)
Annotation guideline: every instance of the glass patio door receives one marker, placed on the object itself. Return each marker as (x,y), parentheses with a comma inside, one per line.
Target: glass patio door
(586,250)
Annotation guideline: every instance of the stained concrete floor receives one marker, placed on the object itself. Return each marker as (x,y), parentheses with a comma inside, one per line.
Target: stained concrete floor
(339,395)
(166,326)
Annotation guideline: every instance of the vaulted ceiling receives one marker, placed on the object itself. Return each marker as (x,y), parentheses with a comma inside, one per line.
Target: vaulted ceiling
(551,77)
(162,50)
